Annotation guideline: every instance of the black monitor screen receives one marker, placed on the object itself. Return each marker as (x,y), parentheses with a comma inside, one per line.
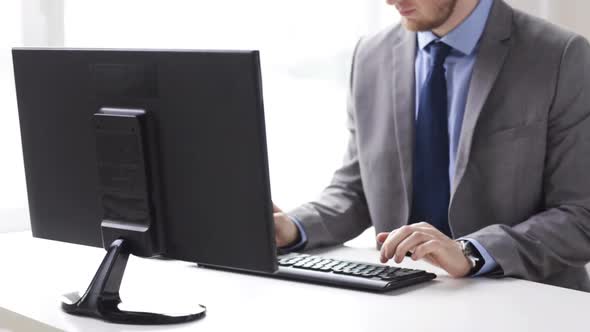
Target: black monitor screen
(204,138)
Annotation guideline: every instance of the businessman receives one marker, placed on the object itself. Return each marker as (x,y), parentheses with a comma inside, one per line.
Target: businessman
(469,146)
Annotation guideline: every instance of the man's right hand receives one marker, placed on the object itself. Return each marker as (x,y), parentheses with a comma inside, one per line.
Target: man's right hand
(286,233)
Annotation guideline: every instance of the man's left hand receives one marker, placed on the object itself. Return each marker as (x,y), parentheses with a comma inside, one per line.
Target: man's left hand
(426,242)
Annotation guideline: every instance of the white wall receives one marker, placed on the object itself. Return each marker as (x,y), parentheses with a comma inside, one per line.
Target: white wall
(12,178)
(42,22)
(305,46)
(571,14)
(305,50)
(23,23)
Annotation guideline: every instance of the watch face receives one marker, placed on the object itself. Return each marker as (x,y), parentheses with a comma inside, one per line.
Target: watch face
(473,256)
(464,245)
(470,253)
(472,262)
(468,248)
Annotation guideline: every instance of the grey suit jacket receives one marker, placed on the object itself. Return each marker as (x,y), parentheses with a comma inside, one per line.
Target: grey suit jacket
(522,181)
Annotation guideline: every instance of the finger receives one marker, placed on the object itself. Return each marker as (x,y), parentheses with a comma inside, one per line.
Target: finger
(428,228)
(410,243)
(281,242)
(381,237)
(276,208)
(278,231)
(421,226)
(431,260)
(431,247)
(393,240)
(276,215)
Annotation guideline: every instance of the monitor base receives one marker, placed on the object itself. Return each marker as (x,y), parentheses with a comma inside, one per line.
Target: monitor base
(101,299)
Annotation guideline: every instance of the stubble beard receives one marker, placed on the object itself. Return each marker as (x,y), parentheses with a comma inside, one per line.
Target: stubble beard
(443,12)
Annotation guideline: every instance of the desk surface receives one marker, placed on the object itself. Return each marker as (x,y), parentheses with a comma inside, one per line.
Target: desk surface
(36,272)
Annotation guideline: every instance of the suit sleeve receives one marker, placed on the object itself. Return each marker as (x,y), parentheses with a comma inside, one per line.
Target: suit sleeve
(559,236)
(340,213)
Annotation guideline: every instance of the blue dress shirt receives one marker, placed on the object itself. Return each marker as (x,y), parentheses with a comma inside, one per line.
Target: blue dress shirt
(464,40)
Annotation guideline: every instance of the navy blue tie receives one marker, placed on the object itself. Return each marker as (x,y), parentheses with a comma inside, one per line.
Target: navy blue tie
(431,189)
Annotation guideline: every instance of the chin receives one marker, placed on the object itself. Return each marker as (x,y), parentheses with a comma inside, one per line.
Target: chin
(416,26)
(412,25)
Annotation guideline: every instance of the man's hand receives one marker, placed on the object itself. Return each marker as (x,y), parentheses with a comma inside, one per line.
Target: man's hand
(426,242)
(286,233)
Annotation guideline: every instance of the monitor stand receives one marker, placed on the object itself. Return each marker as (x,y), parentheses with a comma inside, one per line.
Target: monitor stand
(102,299)
(130,224)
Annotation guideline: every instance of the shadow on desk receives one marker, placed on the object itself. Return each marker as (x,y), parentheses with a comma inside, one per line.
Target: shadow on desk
(10,321)
(443,284)
(335,252)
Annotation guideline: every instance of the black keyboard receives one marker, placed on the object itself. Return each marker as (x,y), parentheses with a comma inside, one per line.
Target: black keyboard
(348,274)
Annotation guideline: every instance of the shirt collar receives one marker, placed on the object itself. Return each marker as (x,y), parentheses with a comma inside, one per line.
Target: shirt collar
(465,36)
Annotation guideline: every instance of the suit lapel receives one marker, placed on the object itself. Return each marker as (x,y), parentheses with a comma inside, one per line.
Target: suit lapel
(403,91)
(493,50)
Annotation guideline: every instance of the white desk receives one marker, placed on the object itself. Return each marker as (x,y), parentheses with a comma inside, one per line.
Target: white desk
(34,273)
(11,321)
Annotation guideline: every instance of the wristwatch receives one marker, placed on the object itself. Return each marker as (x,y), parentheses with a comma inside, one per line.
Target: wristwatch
(473,256)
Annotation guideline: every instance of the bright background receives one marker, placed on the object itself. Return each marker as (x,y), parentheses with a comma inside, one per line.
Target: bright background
(305,47)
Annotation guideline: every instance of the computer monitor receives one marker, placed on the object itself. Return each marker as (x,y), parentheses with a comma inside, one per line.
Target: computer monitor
(147,153)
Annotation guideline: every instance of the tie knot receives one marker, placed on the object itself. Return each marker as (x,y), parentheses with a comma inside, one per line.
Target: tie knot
(439,52)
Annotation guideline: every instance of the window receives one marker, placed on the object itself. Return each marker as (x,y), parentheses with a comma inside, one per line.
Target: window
(305,48)
(12,177)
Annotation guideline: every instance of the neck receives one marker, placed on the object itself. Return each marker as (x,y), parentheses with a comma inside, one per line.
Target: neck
(462,10)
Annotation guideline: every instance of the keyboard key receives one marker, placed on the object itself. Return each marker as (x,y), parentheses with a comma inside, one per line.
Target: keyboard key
(284,262)
(369,274)
(331,265)
(324,270)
